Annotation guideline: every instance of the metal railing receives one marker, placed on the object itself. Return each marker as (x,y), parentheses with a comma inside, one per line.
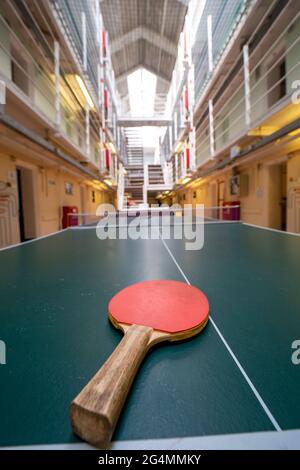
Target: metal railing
(225,17)
(31,73)
(271,78)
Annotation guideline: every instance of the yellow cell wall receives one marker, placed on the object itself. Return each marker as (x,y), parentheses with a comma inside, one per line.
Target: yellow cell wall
(293,192)
(53,197)
(252,203)
(261,200)
(9,222)
(49,197)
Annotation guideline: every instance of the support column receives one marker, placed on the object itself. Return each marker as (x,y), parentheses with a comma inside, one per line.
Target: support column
(87,129)
(247,85)
(211,128)
(98,22)
(111,165)
(170,140)
(99,88)
(183,161)
(102,97)
(170,173)
(84,45)
(145,187)
(102,150)
(116,167)
(175,126)
(176,168)
(2,96)
(114,116)
(192,141)
(120,189)
(209,43)
(57,83)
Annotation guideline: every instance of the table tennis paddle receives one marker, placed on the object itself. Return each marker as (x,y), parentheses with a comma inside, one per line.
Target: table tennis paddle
(147,312)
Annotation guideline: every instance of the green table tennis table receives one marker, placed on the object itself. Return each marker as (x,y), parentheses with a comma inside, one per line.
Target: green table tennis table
(234,386)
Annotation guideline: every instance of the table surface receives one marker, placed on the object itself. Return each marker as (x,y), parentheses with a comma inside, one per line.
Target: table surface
(232,386)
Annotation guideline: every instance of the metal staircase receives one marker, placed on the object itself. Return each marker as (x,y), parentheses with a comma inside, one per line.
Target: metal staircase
(155,175)
(134,183)
(134,145)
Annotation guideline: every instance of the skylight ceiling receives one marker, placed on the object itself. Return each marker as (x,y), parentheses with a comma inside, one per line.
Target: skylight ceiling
(142,86)
(144,33)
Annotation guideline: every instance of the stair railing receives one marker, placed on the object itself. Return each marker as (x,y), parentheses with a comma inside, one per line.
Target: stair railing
(145,186)
(120,191)
(167,172)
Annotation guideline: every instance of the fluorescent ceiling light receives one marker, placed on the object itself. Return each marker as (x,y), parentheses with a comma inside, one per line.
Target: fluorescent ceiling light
(142,88)
(84,91)
(108,182)
(178,147)
(186,180)
(142,92)
(262,131)
(112,147)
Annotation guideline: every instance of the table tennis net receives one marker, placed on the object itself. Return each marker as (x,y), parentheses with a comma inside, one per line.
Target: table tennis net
(158,216)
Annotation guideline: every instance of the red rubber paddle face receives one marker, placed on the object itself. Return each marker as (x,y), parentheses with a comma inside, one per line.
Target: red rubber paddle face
(169,306)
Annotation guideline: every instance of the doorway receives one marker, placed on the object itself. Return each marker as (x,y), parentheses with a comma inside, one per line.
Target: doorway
(27,216)
(277,196)
(82,218)
(221,193)
(211,209)
(283,195)
(221,198)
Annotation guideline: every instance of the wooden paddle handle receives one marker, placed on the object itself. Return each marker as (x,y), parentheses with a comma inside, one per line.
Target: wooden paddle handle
(95,411)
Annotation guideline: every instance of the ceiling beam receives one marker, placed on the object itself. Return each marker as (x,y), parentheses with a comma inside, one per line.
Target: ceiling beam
(142,122)
(158,73)
(162,29)
(124,75)
(142,32)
